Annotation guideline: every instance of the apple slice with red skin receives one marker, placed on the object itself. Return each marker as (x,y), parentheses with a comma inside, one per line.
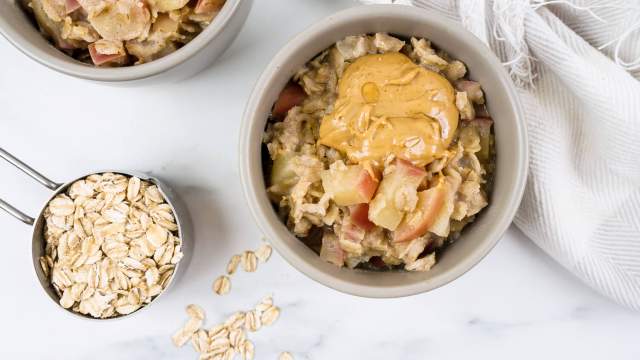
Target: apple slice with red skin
(473,90)
(208,6)
(418,222)
(71,6)
(101,59)
(350,185)
(382,209)
(292,95)
(360,216)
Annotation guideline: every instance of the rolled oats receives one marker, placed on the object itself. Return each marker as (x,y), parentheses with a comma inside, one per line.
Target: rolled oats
(200,341)
(229,354)
(233,264)
(218,331)
(270,315)
(237,337)
(195,311)
(222,285)
(249,261)
(252,321)
(111,245)
(236,320)
(285,356)
(196,318)
(247,350)
(264,252)
(219,344)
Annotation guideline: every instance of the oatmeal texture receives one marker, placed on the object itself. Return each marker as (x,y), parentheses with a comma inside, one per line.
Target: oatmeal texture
(113,33)
(381,152)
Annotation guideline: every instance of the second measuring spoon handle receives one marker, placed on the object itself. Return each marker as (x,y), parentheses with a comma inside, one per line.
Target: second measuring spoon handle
(32,173)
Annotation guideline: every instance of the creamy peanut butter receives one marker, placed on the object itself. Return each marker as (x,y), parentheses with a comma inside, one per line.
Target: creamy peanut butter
(389,105)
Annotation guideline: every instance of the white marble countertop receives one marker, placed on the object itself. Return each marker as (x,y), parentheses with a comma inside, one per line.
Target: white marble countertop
(517,303)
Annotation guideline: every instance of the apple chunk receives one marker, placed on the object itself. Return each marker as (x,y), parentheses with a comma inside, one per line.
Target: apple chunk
(283,175)
(331,251)
(387,208)
(359,215)
(348,184)
(418,222)
(292,95)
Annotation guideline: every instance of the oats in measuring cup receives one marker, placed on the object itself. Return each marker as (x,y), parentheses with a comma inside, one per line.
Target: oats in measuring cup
(111,245)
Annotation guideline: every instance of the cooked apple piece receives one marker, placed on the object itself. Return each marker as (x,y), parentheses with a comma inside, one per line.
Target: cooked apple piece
(418,222)
(348,184)
(208,6)
(390,203)
(292,95)
(350,237)
(483,125)
(441,226)
(71,6)
(473,90)
(331,251)
(283,176)
(114,54)
(360,216)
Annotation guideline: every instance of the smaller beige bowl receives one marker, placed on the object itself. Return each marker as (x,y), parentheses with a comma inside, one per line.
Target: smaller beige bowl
(511,147)
(21,31)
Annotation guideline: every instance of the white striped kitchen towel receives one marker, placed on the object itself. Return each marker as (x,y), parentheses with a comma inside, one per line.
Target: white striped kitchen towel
(577,67)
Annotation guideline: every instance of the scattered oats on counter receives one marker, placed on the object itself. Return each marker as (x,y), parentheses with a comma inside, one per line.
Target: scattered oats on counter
(111,245)
(196,318)
(224,341)
(285,356)
(264,252)
(249,262)
(233,264)
(222,285)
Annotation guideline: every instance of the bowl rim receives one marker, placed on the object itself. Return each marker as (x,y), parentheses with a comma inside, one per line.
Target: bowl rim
(251,190)
(77,69)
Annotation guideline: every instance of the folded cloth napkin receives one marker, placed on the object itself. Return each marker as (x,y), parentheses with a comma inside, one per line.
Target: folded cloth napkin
(576,65)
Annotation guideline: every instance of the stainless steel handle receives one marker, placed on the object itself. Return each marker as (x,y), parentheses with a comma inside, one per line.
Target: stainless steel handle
(32,173)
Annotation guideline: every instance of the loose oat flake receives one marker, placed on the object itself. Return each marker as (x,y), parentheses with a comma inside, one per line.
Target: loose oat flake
(111,245)
(270,315)
(285,356)
(222,285)
(233,264)
(249,261)
(264,252)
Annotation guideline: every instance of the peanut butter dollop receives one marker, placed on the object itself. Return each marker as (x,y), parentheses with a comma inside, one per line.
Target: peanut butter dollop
(389,105)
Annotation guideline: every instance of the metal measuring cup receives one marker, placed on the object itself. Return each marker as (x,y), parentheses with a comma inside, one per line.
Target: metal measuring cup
(38,242)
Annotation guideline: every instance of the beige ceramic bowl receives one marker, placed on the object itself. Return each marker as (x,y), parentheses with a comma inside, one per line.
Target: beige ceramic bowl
(199,53)
(511,147)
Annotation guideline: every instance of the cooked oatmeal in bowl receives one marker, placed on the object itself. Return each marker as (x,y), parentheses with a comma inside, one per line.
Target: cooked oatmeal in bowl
(380,151)
(314,172)
(115,33)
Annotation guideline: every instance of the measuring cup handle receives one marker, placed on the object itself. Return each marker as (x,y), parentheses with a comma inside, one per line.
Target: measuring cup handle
(31,172)
(16,213)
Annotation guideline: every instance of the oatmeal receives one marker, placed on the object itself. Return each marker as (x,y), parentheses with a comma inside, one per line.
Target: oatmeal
(113,33)
(381,152)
